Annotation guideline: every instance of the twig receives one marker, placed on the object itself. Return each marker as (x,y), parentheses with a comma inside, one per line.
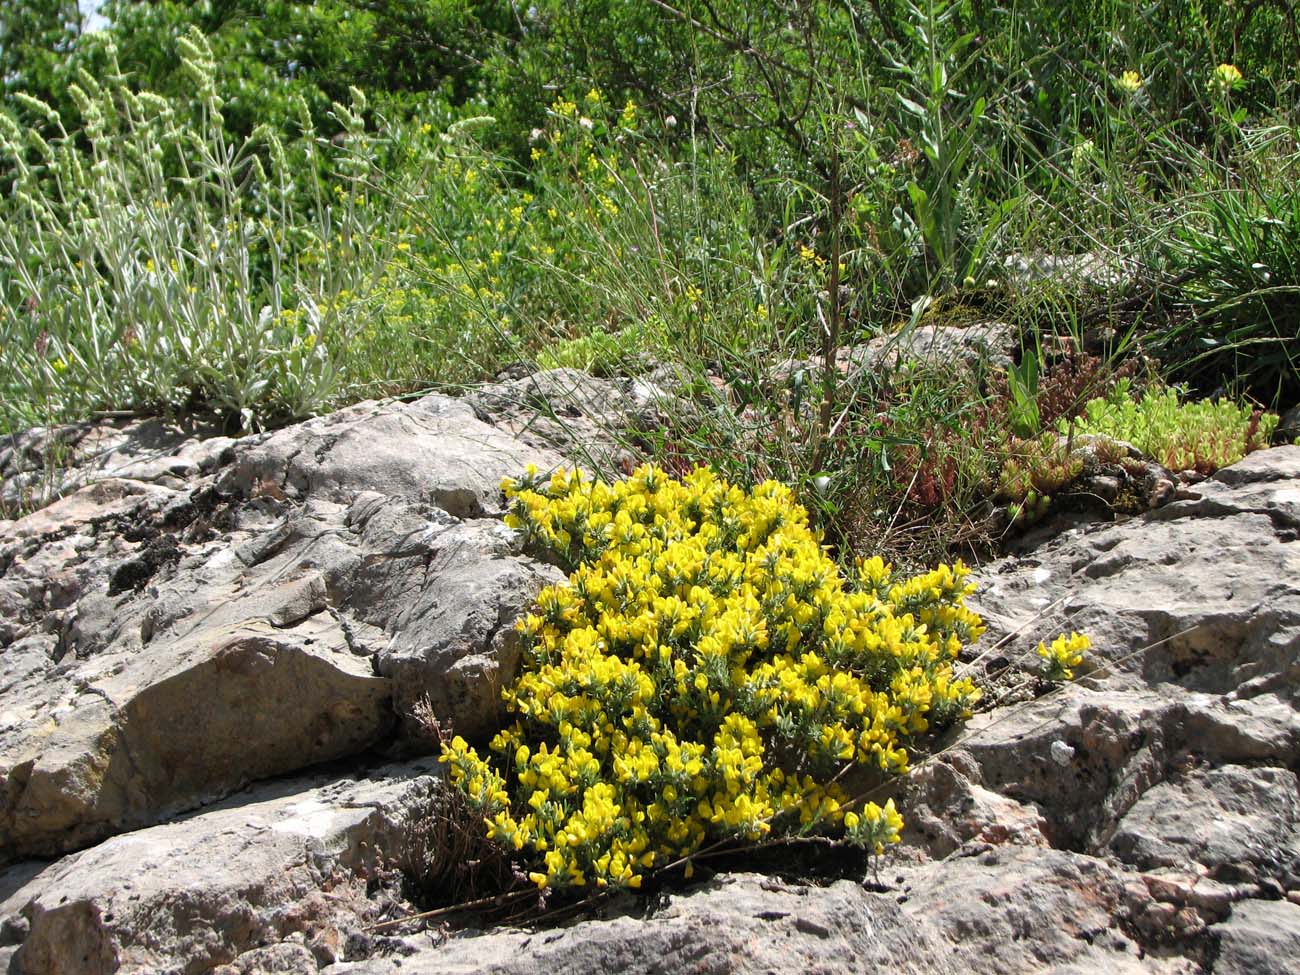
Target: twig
(496,900)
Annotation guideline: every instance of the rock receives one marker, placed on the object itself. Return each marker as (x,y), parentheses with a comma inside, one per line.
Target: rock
(949,808)
(983,344)
(989,343)
(162,647)
(228,885)
(592,420)
(453,643)
(1288,427)
(1177,751)
(1122,742)
(286,957)
(1098,270)
(40,465)
(1261,938)
(125,747)
(166,639)
(1203,594)
(434,449)
(1024,910)
(1210,898)
(1238,823)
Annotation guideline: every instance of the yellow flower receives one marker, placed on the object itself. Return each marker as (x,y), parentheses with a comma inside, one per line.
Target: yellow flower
(1065,653)
(810,256)
(1130,82)
(1225,78)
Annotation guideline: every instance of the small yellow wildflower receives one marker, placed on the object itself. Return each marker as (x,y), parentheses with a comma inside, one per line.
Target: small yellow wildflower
(810,256)
(1130,82)
(1065,653)
(1224,79)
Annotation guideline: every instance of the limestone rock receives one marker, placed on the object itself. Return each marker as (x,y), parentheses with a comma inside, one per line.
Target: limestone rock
(1203,593)
(1023,910)
(285,861)
(165,643)
(434,449)
(167,638)
(42,464)
(589,419)
(1239,823)
(1261,938)
(990,343)
(981,344)
(1097,269)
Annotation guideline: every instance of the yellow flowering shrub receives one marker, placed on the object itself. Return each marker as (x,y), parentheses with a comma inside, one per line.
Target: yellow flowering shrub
(706,674)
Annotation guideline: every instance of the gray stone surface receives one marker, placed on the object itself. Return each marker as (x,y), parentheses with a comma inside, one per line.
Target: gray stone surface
(434,449)
(40,465)
(1240,824)
(990,343)
(1261,938)
(1016,910)
(980,344)
(593,421)
(1098,270)
(165,643)
(1203,594)
(283,862)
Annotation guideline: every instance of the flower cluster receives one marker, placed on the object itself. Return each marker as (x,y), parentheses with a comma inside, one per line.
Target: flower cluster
(1224,79)
(1065,653)
(706,674)
(1130,82)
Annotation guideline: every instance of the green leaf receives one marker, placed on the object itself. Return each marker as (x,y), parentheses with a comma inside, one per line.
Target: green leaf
(918,110)
(924,212)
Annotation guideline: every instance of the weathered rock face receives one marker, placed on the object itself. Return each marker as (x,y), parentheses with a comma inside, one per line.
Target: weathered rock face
(1097,270)
(988,344)
(292,863)
(1005,911)
(204,614)
(588,419)
(166,642)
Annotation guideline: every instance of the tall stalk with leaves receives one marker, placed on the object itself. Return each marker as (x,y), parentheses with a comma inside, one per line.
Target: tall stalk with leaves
(948,125)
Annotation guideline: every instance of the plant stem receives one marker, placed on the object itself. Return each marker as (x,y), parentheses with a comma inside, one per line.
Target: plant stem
(830,327)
